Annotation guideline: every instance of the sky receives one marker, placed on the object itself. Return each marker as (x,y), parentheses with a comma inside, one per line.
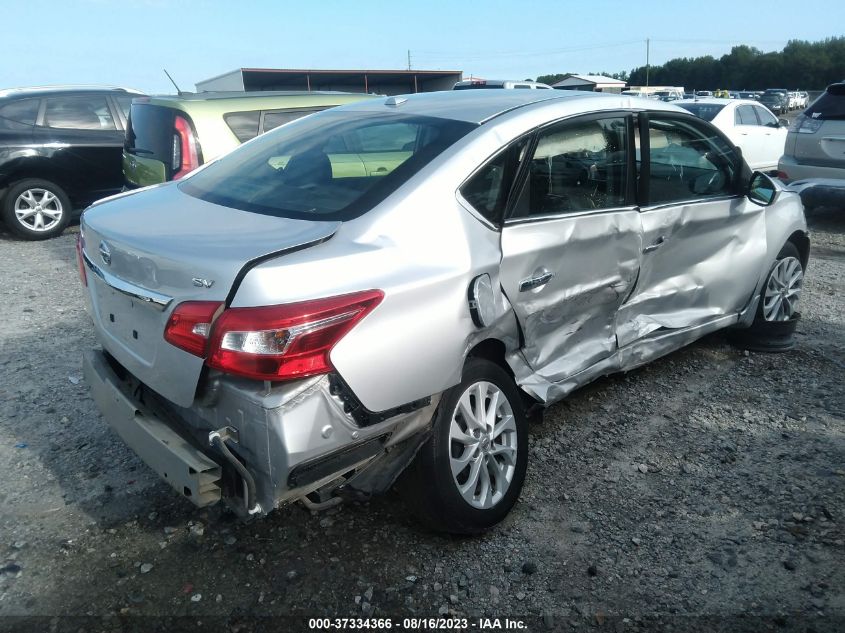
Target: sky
(129,42)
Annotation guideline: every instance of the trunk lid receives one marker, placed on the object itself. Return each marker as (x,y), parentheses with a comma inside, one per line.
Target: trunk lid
(149,251)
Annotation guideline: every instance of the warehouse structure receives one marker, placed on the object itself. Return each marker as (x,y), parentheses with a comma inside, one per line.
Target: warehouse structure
(593,83)
(387,82)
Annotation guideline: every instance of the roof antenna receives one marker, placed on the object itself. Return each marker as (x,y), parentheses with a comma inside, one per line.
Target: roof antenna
(178,92)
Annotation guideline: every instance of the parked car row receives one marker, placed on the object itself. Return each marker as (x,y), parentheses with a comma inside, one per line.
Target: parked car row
(62,148)
(310,328)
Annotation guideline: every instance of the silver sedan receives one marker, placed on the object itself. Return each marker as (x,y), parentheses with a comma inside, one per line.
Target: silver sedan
(381,292)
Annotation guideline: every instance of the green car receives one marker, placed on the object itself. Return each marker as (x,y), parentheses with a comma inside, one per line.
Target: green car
(169,136)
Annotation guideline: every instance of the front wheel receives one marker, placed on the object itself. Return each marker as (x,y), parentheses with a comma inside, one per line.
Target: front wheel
(36,209)
(468,475)
(777,312)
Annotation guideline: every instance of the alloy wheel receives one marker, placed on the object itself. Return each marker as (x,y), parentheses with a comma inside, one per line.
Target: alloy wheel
(783,290)
(483,445)
(38,209)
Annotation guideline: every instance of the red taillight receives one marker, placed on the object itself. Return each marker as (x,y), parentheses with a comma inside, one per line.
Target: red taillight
(185,157)
(190,324)
(782,175)
(286,341)
(80,245)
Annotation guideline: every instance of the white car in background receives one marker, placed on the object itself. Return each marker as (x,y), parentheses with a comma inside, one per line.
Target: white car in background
(749,125)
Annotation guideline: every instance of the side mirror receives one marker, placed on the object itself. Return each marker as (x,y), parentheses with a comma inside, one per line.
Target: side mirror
(761,189)
(783,122)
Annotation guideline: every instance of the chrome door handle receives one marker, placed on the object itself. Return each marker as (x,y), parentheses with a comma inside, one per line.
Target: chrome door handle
(657,243)
(533,283)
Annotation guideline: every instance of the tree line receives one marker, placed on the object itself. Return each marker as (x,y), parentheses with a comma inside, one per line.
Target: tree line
(800,65)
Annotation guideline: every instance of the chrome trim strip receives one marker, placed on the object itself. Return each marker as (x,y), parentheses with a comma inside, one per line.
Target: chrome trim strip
(683,203)
(567,214)
(155,299)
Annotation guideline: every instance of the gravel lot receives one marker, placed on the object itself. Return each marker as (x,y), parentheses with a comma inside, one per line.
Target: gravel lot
(705,491)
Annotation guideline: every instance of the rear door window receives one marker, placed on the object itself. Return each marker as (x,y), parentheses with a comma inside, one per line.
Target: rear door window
(79,113)
(18,115)
(576,166)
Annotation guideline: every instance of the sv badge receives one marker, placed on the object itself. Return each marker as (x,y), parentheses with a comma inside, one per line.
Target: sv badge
(202,283)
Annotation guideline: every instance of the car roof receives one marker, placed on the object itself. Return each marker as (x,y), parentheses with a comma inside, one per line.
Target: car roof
(215,96)
(478,106)
(38,91)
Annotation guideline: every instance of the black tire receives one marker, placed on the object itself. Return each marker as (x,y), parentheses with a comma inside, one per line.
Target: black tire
(428,485)
(28,228)
(765,335)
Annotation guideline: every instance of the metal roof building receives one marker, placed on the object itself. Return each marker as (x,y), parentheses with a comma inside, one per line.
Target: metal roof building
(595,83)
(388,82)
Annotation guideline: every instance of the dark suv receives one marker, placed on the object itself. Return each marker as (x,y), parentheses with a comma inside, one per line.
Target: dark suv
(60,149)
(776,100)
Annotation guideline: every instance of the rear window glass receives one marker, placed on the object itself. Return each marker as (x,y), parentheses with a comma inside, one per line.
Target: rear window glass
(150,132)
(244,125)
(706,111)
(330,166)
(830,106)
(18,115)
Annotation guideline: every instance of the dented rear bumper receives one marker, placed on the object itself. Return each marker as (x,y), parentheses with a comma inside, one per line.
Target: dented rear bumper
(292,438)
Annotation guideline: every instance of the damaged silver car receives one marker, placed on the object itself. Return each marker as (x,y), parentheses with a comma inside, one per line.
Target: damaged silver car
(382,292)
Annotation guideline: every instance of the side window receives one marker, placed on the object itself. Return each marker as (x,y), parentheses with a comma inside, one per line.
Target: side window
(79,113)
(766,117)
(244,125)
(744,115)
(577,167)
(687,162)
(488,188)
(18,115)
(277,118)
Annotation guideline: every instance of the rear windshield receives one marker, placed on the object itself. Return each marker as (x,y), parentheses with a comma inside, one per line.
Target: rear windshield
(149,132)
(329,166)
(830,106)
(706,111)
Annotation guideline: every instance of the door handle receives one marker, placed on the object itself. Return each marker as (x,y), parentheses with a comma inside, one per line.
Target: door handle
(657,243)
(532,283)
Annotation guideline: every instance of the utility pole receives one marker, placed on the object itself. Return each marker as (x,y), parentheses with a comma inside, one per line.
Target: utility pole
(647,47)
(409,59)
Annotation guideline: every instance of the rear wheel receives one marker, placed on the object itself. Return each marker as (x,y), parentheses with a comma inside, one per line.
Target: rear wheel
(36,209)
(777,312)
(469,474)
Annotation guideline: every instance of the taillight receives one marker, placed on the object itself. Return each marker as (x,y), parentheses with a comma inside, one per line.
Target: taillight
(80,262)
(185,157)
(190,324)
(805,125)
(286,341)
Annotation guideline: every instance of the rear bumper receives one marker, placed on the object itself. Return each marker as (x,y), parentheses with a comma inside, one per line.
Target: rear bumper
(189,471)
(796,171)
(292,439)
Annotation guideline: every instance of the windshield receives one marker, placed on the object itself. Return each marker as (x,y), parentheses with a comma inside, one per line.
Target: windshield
(330,166)
(706,111)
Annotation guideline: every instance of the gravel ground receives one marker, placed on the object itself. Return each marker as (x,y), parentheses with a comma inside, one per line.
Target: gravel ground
(705,491)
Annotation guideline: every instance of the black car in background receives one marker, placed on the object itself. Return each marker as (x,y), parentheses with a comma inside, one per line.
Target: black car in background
(776,100)
(60,149)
